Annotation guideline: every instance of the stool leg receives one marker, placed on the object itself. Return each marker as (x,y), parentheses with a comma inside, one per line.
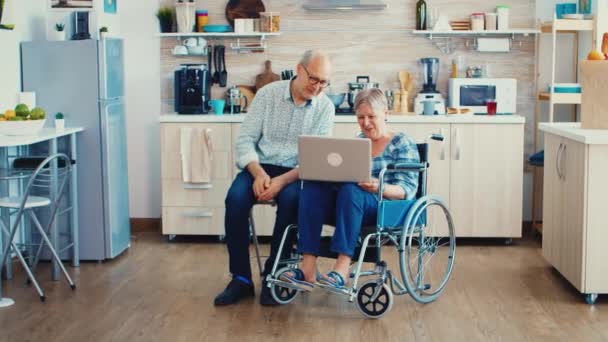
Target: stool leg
(30,275)
(254,236)
(51,248)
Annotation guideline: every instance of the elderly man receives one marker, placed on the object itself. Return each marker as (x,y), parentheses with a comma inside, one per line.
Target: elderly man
(267,153)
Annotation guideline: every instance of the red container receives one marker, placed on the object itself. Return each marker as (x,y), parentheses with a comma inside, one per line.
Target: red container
(491,107)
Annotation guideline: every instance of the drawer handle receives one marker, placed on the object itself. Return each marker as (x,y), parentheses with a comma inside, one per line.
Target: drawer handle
(198,214)
(197,186)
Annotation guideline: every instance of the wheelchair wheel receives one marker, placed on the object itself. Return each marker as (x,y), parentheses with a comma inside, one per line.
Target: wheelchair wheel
(378,307)
(283,295)
(427,255)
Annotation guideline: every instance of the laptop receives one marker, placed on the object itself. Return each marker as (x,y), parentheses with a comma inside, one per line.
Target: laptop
(335,159)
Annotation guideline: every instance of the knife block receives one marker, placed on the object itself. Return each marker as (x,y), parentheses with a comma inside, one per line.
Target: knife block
(594,84)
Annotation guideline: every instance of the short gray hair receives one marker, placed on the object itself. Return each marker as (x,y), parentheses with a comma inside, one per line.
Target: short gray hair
(374,98)
(310,54)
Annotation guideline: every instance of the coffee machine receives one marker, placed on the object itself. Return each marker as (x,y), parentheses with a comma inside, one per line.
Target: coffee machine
(429,101)
(192,89)
(81,26)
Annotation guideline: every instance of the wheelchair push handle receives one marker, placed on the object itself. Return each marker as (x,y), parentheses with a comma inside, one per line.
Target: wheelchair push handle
(435,136)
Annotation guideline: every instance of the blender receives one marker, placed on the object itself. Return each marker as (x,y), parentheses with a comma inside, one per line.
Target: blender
(429,101)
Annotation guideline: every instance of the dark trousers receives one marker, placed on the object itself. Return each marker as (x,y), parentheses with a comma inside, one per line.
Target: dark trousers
(345,205)
(239,201)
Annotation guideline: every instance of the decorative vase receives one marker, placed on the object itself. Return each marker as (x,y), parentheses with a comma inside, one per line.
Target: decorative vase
(165,26)
(184,12)
(57,35)
(59,124)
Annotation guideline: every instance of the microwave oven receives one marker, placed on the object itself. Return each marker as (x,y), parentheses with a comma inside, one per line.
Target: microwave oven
(472,93)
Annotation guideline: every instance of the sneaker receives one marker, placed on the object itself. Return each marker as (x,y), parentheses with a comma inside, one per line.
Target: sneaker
(235,291)
(265,296)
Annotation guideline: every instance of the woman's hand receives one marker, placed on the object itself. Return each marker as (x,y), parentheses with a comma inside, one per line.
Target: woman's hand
(371,186)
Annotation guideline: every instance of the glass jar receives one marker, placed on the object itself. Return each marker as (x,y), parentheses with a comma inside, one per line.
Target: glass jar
(270,22)
(503,17)
(477,21)
(490,21)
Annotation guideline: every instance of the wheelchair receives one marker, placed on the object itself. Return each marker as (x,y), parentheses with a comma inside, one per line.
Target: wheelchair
(425,244)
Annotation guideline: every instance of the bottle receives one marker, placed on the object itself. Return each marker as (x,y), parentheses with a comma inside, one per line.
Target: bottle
(421,15)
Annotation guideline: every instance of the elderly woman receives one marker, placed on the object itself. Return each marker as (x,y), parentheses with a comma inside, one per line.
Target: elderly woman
(351,205)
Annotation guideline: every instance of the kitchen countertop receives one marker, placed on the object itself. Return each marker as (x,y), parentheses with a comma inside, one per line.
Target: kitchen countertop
(573,131)
(457,118)
(44,135)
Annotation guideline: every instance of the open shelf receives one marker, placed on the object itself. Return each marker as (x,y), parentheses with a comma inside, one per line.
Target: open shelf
(561,98)
(567,25)
(524,32)
(219,34)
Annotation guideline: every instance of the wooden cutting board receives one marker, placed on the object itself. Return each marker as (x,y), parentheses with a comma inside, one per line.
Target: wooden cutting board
(594,106)
(237,9)
(266,77)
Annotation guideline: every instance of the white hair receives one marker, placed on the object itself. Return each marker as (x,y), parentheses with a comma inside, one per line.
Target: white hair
(374,98)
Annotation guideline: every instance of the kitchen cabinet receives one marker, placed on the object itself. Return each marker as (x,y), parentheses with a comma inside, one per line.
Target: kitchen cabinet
(194,208)
(477,170)
(573,211)
(486,179)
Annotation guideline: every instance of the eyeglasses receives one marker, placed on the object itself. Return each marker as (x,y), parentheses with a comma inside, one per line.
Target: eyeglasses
(312,80)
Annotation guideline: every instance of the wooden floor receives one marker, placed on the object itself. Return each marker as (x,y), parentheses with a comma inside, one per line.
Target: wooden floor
(161,291)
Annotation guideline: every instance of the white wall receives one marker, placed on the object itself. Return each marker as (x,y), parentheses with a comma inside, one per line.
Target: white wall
(142,64)
(28,17)
(136,23)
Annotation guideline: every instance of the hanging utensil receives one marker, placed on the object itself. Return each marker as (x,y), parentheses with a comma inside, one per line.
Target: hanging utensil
(223,73)
(209,57)
(216,73)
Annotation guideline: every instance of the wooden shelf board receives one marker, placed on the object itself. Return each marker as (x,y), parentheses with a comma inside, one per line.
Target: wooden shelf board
(218,34)
(567,26)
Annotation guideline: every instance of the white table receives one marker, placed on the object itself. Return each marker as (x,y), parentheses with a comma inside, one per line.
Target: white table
(50,135)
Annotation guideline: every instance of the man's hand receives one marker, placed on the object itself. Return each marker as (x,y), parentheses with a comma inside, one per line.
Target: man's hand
(371,186)
(276,185)
(260,184)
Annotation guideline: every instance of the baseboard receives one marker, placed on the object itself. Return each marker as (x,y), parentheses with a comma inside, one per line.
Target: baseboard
(145,224)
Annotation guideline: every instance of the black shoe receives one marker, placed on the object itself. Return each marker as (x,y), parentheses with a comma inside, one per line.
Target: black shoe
(235,291)
(265,296)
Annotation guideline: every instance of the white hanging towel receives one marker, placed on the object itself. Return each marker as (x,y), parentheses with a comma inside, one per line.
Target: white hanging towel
(185,150)
(202,148)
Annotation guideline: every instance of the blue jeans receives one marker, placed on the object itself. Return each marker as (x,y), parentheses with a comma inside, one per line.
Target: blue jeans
(239,201)
(345,205)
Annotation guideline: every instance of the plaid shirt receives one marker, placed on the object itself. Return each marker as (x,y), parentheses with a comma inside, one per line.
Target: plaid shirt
(401,149)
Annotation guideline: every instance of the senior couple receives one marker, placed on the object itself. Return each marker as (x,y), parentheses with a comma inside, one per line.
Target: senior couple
(267,153)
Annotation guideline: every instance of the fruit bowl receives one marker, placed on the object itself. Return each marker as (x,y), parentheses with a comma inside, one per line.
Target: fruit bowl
(28,127)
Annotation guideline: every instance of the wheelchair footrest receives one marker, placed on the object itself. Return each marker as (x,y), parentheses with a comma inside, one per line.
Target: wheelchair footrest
(371,255)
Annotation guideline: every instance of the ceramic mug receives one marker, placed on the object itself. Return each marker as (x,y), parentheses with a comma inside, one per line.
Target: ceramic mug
(196,50)
(191,42)
(180,50)
(218,106)
(202,42)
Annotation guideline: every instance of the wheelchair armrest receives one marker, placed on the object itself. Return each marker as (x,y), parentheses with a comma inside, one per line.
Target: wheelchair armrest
(407,167)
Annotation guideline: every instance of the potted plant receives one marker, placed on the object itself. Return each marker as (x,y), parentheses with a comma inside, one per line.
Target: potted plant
(102,30)
(165,19)
(59,121)
(4,27)
(59,32)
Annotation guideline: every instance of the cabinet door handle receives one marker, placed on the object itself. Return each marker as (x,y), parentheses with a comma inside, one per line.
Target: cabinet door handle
(557,160)
(197,186)
(457,145)
(442,153)
(198,214)
(561,163)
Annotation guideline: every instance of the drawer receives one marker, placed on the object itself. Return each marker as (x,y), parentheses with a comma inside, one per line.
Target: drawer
(170,149)
(171,165)
(193,221)
(176,193)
